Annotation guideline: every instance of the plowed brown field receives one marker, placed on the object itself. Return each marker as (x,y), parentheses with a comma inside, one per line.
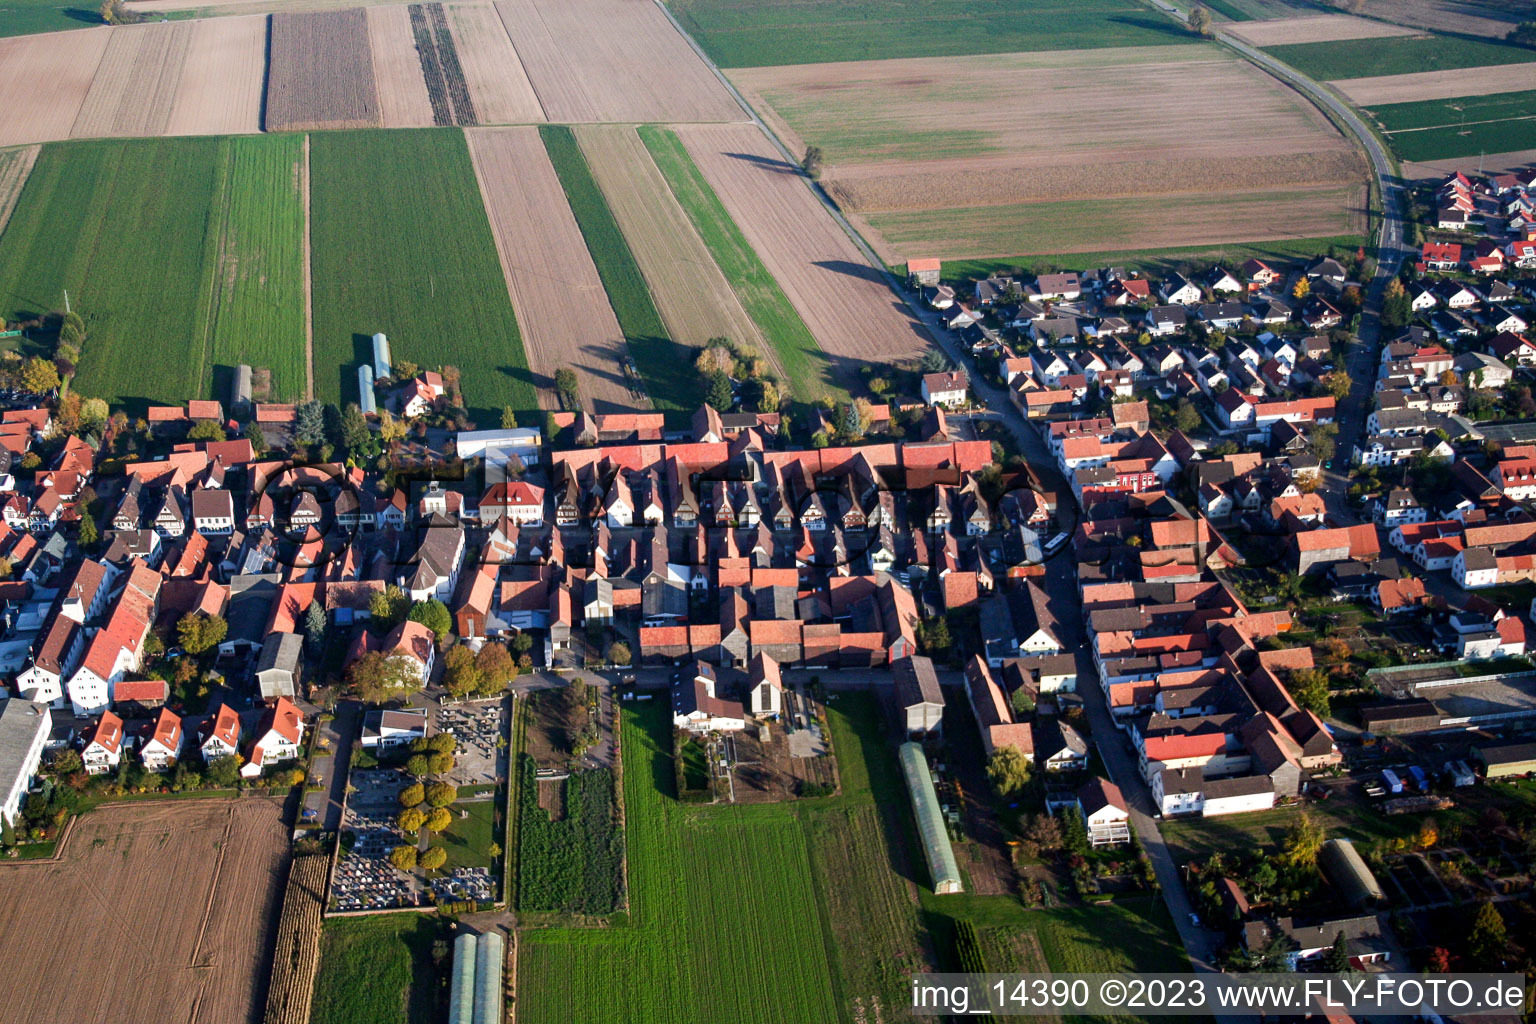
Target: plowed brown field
(403,99)
(691,293)
(1324,28)
(156,912)
(845,302)
(321,73)
(1489,163)
(492,70)
(136,81)
(15,165)
(44,80)
(1438,85)
(562,309)
(221,82)
(613,60)
(1492,18)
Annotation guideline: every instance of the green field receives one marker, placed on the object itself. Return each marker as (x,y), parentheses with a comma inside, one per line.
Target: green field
(754,33)
(1396,55)
(573,865)
(401,244)
(378,969)
(257,294)
(1441,129)
(24,17)
(124,227)
(805,365)
(670,379)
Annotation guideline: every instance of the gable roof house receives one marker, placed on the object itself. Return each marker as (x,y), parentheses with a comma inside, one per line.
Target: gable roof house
(278,738)
(163,747)
(103,749)
(219,735)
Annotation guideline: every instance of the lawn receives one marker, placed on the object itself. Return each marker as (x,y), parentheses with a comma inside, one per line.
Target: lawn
(1396,55)
(468,840)
(124,226)
(378,969)
(667,367)
(1440,129)
(754,33)
(401,244)
(805,365)
(257,297)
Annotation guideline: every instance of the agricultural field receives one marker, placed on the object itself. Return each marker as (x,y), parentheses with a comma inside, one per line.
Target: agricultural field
(44,79)
(491,70)
(665,366)
(612,60)
(208,873)
(1260,10)
(539,241)
(256,304)
(848,305)
(321,72)
(573,862)
(695,300)
(754,33)
(222,80)
(880,125)
(135,84)
(1368,58)
(124,226)
(404,100)
(791,342)
(1321,28)
(26,17)
(379,969)
(1461,87)
(1492,18)
(400,244)
(296,950)
(15,165)
(1459,127)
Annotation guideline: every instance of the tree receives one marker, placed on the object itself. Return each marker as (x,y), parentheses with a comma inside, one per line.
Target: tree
(439,819)
(207,430)
(89,534)
(1200,20)
(934,361)
(378,678)
(1322,440)
(508,418)
(355,434)
(388,607)
(1008,771)
(1309,688)
(66,762)
(93,413)
(410,819)
(403,857)
(199,632)
(1429,834)
(1302,290)
(494,850)
(1396,307)
(767,396)
(114,13)
(1185,416)
(461,675)
(813,162)
(717,390)
(1487,941)
(433,614)
(413,794)
(820,439)
(1302,841)
(417,766)
(618,653)
(441,794)
(391,430)
(1438,961)
(1336,384)
(314,629)
(39,376)
(309,423)
(1336,960)
(566,387)
(495,668)
(1523,34)
(440,764)
(224,771)
(1021,702)
(433,858)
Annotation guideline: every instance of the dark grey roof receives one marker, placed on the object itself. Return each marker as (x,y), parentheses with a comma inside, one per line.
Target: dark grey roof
(916,682)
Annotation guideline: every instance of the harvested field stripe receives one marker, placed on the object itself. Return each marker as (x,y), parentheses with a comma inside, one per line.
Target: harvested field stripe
(15,165)
(406,98)
(666,366)
(136,83)
(1475,84)
(559,299)
(223,79)
(1323,28)
(491,69)
(431,67)
(804,364)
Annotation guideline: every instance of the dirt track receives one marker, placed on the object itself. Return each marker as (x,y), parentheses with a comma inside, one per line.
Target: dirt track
(157,912)
(613,60)
(562,309)
(1324,28)
(847,305)
(44,80)
(691,293)
(221,82)
(403,100)
(497,82)
(1438,85)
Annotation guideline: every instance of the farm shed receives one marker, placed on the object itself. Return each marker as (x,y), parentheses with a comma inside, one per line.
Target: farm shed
(488,993)
(380,355)
(365,395)
(1400,716)
(918,695)
(461,992)
(1348,872)
(930,821)
(1506,760)
(277,669)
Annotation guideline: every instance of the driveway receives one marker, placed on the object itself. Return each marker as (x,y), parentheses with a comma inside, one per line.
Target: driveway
(331,769)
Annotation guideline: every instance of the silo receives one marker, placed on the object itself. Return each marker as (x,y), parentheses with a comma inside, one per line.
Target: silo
(488,994)
(380,356)
(365,397)
(461,993)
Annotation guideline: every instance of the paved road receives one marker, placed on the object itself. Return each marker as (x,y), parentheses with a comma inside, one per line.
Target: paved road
(345,727)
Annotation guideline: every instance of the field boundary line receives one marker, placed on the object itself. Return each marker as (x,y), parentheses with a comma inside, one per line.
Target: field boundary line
(309,299)
(1458,124)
